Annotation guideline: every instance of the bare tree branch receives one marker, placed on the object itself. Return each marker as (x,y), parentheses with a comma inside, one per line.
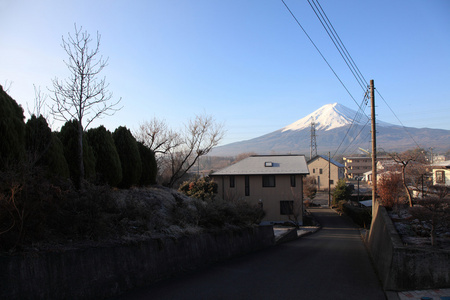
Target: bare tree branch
(82,96)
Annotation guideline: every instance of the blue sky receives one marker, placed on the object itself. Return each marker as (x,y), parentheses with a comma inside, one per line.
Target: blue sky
(247,63)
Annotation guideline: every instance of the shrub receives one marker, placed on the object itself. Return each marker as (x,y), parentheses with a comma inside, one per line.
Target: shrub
(360,215)
(342,191)
(107,162)
(44,148)
(12,131)
(38,139)
(68,137)
(149,167)
(389,189)
(55,159)
(130,159)
(203,188)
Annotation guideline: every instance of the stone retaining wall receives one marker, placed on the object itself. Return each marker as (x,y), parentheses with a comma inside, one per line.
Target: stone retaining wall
(100,272)
(404,267)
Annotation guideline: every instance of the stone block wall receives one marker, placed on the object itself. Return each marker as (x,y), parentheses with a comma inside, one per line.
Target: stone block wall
(100,272)
(405,267)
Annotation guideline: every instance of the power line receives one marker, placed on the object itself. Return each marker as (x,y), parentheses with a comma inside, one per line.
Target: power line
(323,18)
(326,24)
(329,28)
(349,57)
(323,57)
(404,127)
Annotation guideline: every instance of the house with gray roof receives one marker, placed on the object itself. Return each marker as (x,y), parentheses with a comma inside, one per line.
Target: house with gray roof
(273,181)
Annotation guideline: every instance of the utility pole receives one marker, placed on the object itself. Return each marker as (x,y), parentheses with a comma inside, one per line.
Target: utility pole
(374,147)
(329,178)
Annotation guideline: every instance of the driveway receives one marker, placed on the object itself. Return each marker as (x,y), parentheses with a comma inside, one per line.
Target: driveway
(329,264)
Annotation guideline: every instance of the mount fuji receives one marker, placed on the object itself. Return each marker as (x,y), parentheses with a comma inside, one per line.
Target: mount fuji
(334,130)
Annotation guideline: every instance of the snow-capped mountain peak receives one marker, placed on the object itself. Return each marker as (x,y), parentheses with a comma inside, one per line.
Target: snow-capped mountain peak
(329,116)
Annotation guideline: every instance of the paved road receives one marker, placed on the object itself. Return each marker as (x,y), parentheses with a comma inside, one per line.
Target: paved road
(329,264)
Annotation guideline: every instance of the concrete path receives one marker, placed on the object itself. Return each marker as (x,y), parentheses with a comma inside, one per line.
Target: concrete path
(329,264)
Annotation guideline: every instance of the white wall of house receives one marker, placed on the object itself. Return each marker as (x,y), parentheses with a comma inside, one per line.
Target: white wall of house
(441,177)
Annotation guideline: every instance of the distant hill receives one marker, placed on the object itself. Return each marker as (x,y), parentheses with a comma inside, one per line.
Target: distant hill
(332,122)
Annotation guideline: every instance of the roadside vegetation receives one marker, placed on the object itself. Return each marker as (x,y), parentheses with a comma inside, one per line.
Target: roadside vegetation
(81,186)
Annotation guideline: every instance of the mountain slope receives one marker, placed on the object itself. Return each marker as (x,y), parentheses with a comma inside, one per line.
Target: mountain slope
(333,131)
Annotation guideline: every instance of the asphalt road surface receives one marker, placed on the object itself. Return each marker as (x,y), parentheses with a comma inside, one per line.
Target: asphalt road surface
(329,264)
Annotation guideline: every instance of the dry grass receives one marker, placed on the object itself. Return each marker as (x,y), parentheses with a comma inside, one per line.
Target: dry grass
(37,213)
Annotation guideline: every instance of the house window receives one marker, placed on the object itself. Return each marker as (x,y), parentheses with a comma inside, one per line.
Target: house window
(320,171)
(286,207)
(268,180)
(293,183)
(232,181)
(247,185)
(331,181)
(440,176)
(314,170)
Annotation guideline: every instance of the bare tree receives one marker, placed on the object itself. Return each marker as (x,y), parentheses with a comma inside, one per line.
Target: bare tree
(295,209)
(406,160)
(83,96)
(309,188)
(200,136)
(242,156)
(39,103)
(157,135)
(177,152)
(434,210)
(7,86)
(389,188)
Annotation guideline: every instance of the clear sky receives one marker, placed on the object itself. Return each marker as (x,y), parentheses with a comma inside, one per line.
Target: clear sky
(247,63)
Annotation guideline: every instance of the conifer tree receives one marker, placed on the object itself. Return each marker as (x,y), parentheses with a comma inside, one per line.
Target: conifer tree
(130,159)
(12,131)
(107,166)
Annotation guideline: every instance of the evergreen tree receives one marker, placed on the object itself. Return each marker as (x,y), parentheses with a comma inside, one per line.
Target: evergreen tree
(69,139)
(342,191)
(12,131)
(130,159)
(38,139)
(149,167)
(107,166)
(55,159)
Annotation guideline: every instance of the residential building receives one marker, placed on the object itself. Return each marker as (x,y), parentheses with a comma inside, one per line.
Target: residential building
(357,166)
(318,168)
(441,173)
(386,165)
(273,181)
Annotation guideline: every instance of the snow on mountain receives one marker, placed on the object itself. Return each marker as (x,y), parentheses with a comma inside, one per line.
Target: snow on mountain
(332,124)
(330,116)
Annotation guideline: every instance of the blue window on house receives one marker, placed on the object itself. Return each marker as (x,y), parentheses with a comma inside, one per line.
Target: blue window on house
(268,181)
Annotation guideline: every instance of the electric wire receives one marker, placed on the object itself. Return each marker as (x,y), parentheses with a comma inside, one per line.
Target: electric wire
(350,127)
(331,68)
(332,36)
(323,57)
(352,62)
(404,127)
